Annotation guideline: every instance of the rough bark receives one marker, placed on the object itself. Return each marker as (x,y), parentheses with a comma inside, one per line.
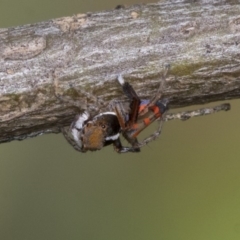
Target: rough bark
(199,39)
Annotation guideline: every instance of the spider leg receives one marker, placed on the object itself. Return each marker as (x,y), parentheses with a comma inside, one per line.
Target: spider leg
(200,112)
(153,136)
(98,102)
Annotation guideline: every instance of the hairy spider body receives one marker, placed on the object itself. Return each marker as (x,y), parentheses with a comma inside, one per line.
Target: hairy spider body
(93,133)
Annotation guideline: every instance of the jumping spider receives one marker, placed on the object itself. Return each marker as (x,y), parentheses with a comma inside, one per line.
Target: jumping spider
(91,133)
(95,132)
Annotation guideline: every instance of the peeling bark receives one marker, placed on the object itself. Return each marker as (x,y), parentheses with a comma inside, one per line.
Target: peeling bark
(199,39)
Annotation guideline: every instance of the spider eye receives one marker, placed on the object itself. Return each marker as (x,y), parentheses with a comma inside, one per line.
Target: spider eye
(103,126)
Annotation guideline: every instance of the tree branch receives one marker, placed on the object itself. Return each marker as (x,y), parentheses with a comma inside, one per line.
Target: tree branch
(199,39)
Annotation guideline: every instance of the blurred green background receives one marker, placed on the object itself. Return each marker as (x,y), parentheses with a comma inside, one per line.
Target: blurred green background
(184,186)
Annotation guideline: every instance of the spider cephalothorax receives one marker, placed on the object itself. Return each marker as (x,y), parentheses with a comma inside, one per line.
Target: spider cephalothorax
(93,133)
